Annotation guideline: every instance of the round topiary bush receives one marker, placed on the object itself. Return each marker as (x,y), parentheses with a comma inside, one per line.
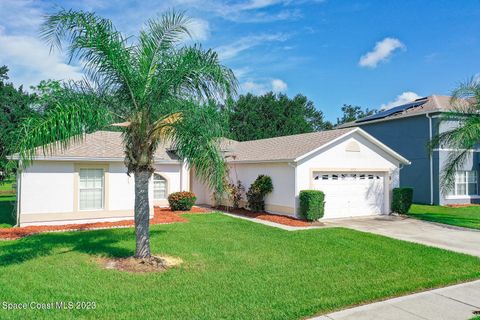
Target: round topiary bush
(181,201)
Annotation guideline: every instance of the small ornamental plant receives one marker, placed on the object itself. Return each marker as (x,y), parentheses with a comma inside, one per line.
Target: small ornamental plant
(258,190)
(236,193)
(181,201)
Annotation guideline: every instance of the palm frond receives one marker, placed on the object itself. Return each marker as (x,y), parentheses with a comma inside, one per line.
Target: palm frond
(159,36)
(96,43)
(164,128)
(65,122)
(455,161)
(196,74)
(463,131)
(196,139)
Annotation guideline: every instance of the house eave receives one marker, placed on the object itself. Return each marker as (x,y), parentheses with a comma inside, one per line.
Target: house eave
(261,161)
(90,159)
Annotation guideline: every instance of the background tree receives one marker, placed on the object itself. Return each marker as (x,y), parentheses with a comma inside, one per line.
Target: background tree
(352,113)
(464,135)
(159,89)
(14,105)
(272,115)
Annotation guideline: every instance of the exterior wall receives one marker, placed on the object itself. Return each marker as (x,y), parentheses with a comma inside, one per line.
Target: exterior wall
(49,192)
(409,137)
(47,187)
(341,158)
(280,201)
(201,191)
(173,174)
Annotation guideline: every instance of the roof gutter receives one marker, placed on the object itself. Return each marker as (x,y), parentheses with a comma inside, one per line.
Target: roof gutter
(429,117)
(92,159)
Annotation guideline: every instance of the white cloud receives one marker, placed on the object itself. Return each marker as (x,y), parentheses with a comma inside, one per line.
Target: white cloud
(252,11)
(27,57)
(23,15)
(402,98)
(257,4)
(240,73)
(253,87)
(199,29)
(279,85)
(259,88)
(232,50)
(30,60)
(382,51)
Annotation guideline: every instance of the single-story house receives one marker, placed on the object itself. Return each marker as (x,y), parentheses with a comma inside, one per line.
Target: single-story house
(88,182)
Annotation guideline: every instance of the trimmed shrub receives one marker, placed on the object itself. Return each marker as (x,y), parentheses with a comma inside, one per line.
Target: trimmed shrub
(402,200)
(257,192)
(312,204)
(181,201)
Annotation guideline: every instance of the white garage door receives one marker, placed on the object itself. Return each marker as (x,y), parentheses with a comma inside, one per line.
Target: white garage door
(351,194)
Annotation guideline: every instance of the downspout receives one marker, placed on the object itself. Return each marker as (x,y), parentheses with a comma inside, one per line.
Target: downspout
(431,157)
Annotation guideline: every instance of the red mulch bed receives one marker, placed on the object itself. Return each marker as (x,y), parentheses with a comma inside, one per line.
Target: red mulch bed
(285,220)
(161,216)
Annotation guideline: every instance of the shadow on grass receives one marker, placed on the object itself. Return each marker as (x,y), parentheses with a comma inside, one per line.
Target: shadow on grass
(103,242)
(7,210)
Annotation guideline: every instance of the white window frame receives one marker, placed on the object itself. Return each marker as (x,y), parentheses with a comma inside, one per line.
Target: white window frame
(166,186)
(102,207)
(468,174)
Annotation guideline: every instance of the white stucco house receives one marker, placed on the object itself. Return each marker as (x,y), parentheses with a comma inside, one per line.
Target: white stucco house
(88,182)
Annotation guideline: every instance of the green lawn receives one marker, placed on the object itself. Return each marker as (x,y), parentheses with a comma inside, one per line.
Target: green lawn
(7,211)
(7,203)
(468,217)
(233,269)
(7,186)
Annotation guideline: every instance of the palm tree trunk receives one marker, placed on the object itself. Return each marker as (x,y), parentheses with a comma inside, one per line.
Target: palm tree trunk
(142,211)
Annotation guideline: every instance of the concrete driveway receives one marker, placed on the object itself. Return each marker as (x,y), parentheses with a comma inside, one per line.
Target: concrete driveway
(413,230)
(451,303)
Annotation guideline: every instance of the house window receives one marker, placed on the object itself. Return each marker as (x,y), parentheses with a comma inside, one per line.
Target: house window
(91,189)
(466,183)
(159,187)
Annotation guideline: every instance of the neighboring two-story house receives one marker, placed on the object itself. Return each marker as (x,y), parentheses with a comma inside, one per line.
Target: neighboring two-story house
(407,129)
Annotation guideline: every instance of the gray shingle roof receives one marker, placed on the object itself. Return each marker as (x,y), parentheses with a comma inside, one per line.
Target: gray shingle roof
(434,103)
(283,148)
(109,145)
(102,144)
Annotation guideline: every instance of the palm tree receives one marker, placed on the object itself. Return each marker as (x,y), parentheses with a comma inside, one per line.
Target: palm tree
(159,88)
(464,134)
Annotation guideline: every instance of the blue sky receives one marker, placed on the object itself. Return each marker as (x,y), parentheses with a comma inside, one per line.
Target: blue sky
(368,53)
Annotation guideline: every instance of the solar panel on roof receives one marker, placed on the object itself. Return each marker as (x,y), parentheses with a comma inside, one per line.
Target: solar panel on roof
(394,110)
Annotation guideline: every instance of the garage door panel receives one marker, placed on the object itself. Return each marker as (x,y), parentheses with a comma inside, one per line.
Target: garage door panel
(350,195)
